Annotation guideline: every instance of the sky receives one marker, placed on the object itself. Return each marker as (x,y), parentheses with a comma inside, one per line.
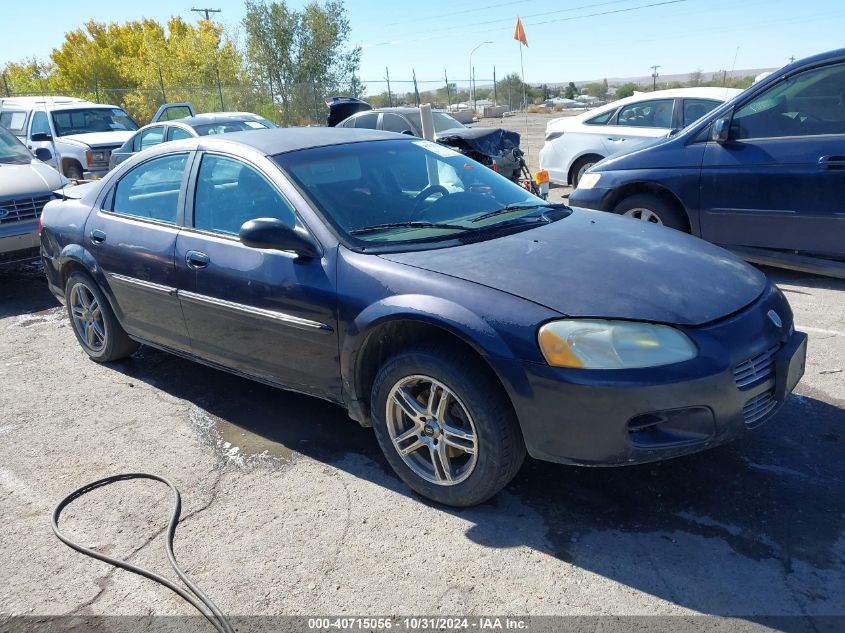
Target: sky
(568,40)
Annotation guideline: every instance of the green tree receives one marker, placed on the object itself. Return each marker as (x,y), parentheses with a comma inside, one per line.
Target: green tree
(28,77)
(571,91)
(626,90)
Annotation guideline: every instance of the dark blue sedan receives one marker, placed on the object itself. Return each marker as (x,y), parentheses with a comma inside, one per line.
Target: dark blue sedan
(464,319)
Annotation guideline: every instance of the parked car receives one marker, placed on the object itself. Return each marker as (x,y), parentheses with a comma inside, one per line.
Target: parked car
(495,148)
(465,326)
(765,171)
(574,144)
(204,124)
(79,135)
(26,185)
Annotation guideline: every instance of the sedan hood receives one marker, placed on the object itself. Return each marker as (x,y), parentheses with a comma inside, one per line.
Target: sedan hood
(31,179)
(594,264)
(97,139)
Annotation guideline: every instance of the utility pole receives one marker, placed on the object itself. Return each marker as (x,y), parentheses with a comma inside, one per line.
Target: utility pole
(207,12)
(448,91)
(792,59)
(416,90)
(6,86)
(389,94)
(654,76)
(495,90)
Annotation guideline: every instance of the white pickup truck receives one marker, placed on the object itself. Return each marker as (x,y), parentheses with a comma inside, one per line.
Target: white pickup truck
(79,135)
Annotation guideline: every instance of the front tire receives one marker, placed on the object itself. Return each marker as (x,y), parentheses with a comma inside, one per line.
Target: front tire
(93,321)
(445,426)
(649,208)
(73,171)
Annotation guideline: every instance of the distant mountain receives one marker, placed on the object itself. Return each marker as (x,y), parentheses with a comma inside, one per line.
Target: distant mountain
(683,78)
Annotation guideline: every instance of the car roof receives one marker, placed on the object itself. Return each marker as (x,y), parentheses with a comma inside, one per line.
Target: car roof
(281,140)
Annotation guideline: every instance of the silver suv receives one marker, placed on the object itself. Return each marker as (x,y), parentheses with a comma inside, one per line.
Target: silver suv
(26,185)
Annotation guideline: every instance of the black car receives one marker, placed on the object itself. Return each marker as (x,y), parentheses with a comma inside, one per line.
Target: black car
(463,318)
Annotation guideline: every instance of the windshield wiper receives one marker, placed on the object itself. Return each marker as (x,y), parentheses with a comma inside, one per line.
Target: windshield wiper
(409,225)
(510,208)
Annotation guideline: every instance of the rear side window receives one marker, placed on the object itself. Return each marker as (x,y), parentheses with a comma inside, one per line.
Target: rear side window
(230,192)
(15,122)
(694,109)
(655,113)
(367,121)
(151,190)
(601,119)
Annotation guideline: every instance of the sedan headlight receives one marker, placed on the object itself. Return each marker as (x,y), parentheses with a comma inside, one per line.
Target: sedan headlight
(600,344)
(588,181)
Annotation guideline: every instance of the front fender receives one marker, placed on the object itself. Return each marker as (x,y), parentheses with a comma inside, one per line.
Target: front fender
(452,317)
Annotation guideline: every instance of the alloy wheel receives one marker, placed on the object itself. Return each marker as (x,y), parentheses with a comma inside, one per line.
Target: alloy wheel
(87,317)
(431,430)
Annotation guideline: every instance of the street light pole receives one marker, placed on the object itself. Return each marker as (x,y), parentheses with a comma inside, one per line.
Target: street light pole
(472,73)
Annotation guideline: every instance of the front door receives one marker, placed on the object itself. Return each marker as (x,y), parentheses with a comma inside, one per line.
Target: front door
(133,238)
(637,123)
(779,181)
(39,123)
(266,313)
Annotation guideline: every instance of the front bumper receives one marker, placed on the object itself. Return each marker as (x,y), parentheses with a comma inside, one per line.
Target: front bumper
(607,418)
(18,243)
(597,198)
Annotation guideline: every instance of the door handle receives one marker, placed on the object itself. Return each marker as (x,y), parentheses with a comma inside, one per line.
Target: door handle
(196,259)
(832,162)
(97,236)
(615,140)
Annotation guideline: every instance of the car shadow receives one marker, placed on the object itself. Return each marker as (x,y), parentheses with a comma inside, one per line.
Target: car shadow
(23,290)
(689,531)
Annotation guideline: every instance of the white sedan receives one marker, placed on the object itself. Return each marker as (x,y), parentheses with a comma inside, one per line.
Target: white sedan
(576,143)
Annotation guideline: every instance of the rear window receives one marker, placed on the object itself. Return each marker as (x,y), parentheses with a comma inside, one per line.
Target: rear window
(14,121)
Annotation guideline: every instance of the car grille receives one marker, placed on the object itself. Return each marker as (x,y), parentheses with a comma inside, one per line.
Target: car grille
(756,409)
(756,369)
(22,208)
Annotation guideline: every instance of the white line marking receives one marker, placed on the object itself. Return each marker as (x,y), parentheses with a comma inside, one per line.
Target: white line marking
(819,330)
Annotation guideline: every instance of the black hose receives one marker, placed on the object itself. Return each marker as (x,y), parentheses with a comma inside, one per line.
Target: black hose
(198,600)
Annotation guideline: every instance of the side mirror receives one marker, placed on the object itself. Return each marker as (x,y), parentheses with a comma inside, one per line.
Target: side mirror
(275,235)
(720,129)
(39,137)
(43,154)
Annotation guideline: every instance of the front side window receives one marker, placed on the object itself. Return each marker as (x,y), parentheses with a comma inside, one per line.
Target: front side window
(366,121)
(398,191)
(40,124)
(395,123)
(694,109)
(150,137)
(230,192)
(151,190)
(86,120)
(13,121)
(811,103)
(654,113)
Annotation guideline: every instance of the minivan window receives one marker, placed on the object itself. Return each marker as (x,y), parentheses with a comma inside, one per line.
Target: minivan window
(14,121)
(810,103)
(694,109)
(654,113)
(151,190)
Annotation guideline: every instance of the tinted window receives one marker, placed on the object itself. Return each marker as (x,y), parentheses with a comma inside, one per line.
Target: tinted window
(230,193)
(601,119)
(40,124)
(807,104)
(694,109)
(151,190)
(148,138)
(394,123)
(368,121)
(13,121)
(656,113)
(176,133)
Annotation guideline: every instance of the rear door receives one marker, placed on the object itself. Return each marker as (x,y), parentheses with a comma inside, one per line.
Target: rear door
(639,122)
(266,313)
(133,237)
(779,181)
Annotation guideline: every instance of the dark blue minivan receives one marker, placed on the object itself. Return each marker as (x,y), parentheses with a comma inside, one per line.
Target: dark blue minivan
(763,174)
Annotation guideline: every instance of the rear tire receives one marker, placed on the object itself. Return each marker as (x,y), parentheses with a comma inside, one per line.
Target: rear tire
(650,208)
(93,321)
(478,449)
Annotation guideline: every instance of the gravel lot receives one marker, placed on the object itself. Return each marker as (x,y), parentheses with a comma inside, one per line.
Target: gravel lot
(289,507)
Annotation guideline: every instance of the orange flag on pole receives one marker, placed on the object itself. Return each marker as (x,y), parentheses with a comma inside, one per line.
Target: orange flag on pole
(519,33)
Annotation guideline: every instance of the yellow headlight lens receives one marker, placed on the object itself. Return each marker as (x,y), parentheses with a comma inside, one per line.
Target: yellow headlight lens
(605,344)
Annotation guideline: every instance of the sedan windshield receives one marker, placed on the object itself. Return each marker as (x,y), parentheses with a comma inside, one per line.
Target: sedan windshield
(12,151)
(392,192)
(86,120)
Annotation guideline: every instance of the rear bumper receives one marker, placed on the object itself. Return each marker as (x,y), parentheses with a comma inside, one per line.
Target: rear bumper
(18,242)
(611,418)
